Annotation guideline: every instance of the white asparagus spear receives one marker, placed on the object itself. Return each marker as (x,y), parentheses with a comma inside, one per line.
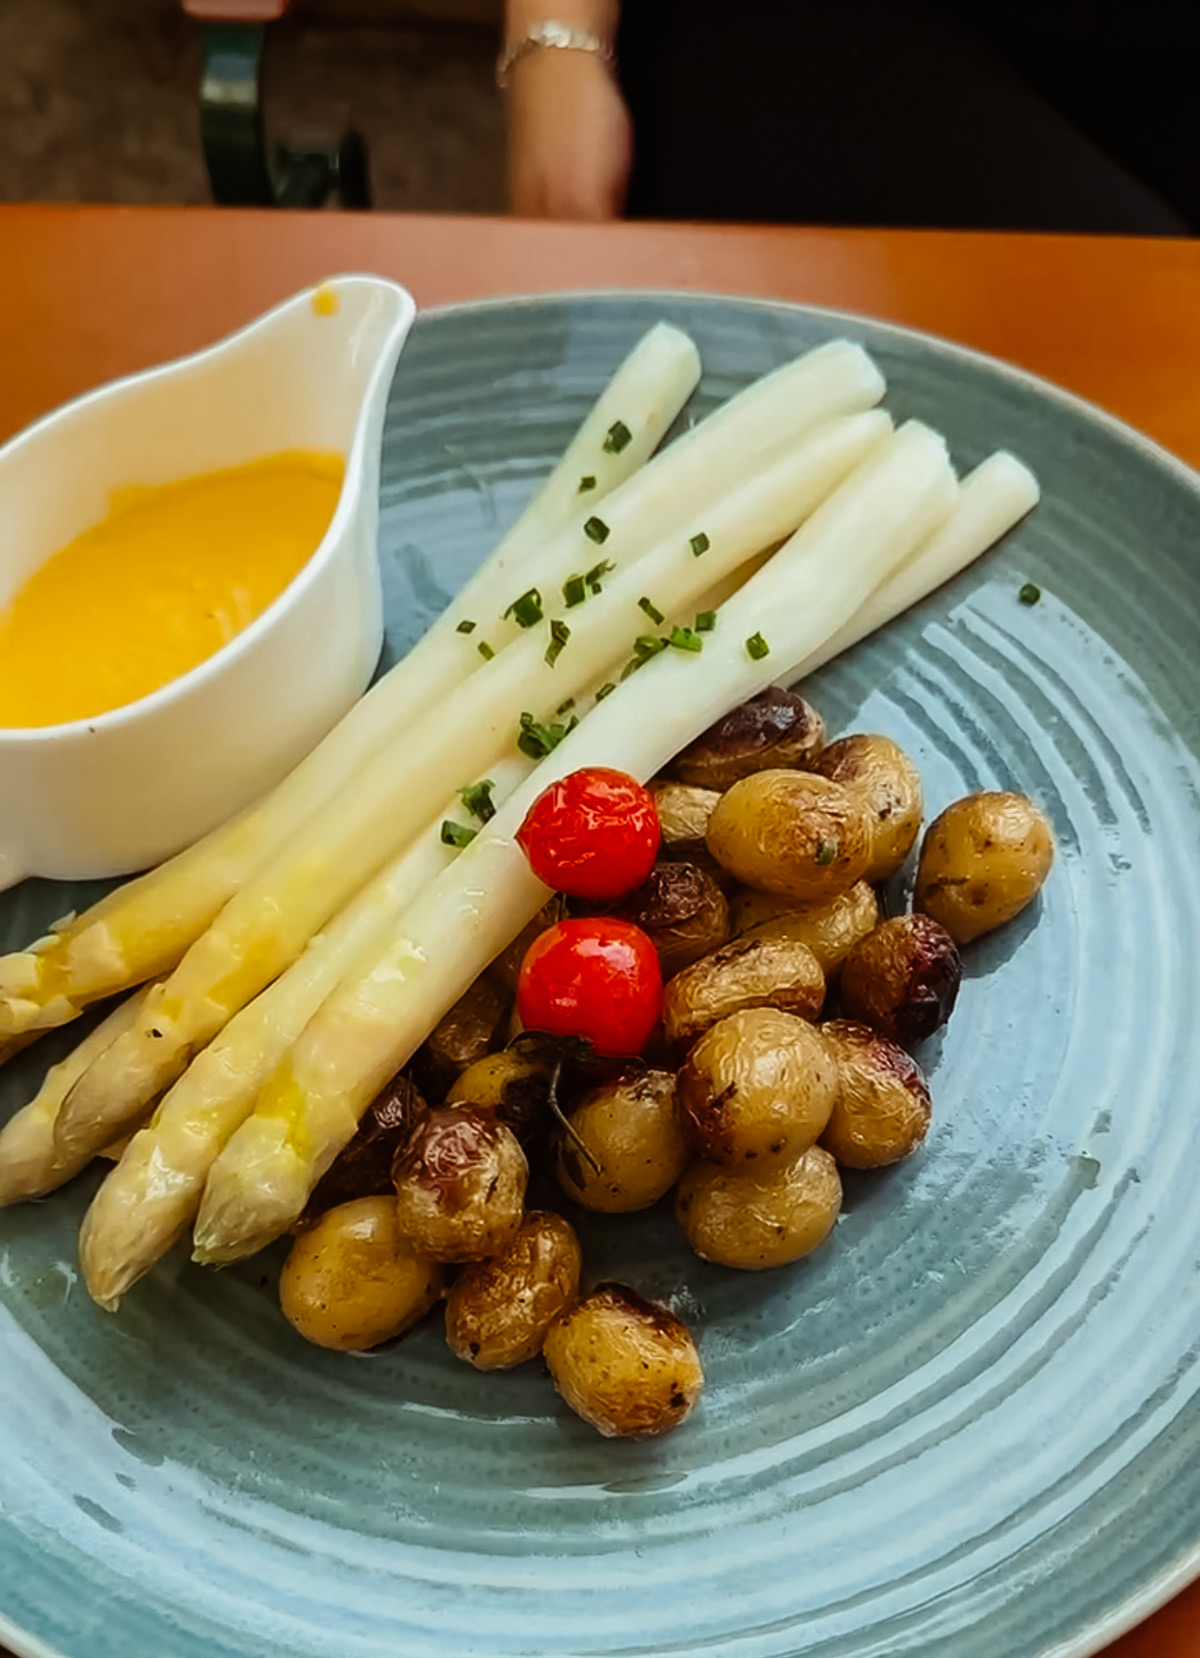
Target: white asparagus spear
(264,927)
(153,1193)
(29,1164)
(143,928)
(643,397)
(374,1022)
(991,499)
(765,423)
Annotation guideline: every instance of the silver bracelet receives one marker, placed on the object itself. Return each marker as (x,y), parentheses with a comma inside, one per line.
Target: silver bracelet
(559,35)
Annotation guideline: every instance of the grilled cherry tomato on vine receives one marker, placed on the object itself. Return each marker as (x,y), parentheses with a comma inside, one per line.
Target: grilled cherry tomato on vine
(593,834)
(597,978)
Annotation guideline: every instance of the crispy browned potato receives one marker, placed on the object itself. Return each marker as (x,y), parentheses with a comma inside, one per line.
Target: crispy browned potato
(628,1366)
(829,930)
(631,1130)
(460,1185)
(775,728)
(755,1218)
(682,909)
(883,1107)
(748,972)
(506,969)
(793,833)
(352,1281)
(462,1035)
(758,1087)
(363,1168)
(683,813)
(882,775)
(982,862)
(703,859)
(513,1084)
(903,978)
(498,1311)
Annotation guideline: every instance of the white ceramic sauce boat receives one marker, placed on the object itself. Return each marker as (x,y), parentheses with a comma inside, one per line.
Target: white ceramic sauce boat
(125,789)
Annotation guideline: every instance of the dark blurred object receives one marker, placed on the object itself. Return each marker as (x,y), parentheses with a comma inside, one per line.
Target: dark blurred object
(1049,115)
(242,171)
(1124,74)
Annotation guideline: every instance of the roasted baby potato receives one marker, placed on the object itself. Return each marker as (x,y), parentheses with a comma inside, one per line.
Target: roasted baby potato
(628,1366)
(748,972)
(682,909)
(792,832)
(461,1036)
(903,978)
(460,1185)
(983,860)
(885,779)
(755,1218)
(758,1087)
(683,813)
(775,728)
(883,1107)
(629,1126)
(352,1280)
(512,1084)
(498,1311)
(363,1168)
(748,907)
(829,930)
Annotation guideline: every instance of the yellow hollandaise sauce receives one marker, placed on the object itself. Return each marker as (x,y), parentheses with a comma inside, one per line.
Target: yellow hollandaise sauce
(173,572)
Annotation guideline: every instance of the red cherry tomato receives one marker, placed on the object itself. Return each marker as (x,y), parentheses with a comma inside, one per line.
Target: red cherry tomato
(593,834)
(597,978)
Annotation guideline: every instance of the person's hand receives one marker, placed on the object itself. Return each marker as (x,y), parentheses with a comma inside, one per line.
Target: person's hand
(570,139)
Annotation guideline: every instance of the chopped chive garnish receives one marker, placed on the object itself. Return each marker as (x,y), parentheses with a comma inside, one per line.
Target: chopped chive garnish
(485,650)
(585,484)
(644,647)
(684,639)
(565,707)
(699,544)
(606,690)
(706,621)
(559,634)
(596,530)
(526,611)
(619,437)
(538,740)
(1030,593)
(574,591)
(597,572)
(477,798)
(757,647)
(465,627)
(826,851)
(457,834)
(652,610)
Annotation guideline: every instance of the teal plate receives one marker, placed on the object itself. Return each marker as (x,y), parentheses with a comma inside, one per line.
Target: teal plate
(969,1425)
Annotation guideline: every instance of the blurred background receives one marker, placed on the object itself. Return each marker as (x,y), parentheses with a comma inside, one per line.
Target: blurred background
(1039,114)
(98,98)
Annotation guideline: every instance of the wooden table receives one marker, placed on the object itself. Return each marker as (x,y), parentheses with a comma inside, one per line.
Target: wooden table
(89,293)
